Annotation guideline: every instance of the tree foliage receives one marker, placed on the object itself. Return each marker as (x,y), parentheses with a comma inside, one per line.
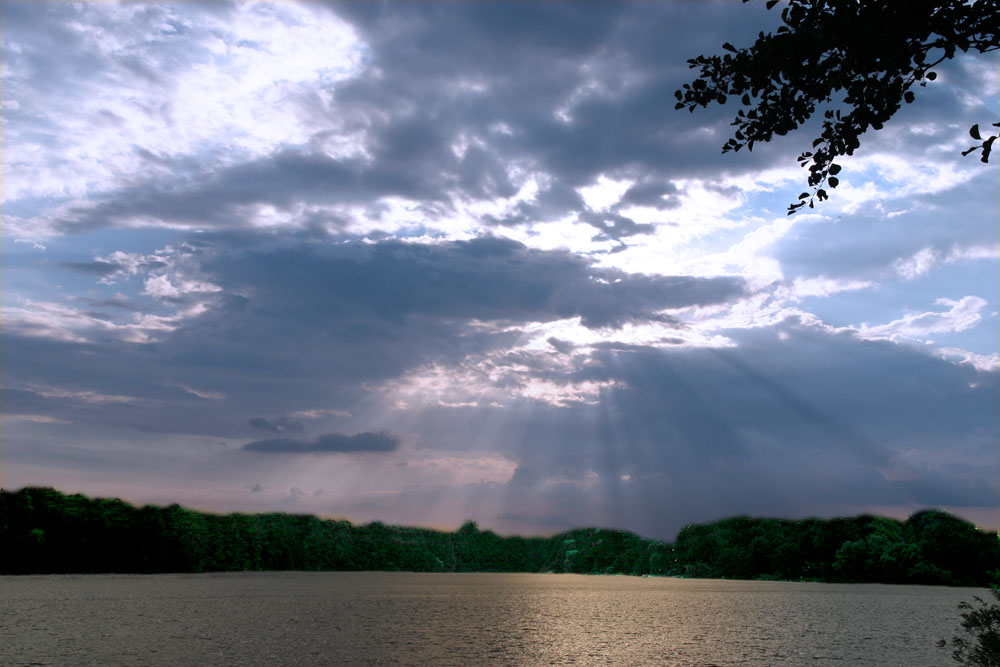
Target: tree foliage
(980,645)
(45,531)
(870,52)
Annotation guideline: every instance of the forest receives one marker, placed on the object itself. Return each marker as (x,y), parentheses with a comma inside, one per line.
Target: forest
(45,531)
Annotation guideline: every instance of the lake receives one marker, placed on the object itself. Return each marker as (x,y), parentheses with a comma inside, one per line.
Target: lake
(389,618)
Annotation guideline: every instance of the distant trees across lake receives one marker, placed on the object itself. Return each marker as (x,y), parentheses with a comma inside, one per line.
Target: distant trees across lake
(45,531)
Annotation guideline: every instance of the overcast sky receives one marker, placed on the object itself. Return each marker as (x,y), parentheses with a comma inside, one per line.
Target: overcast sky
(425,262)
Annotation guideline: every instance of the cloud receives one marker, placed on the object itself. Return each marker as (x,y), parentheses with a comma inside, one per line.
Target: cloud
(471,120)
(484,279)
(484,227)
(328,443)
(336,321)
(982,362)
(85,396)
(876,244)
(921,262)
(118,301)
(39,419)
(97,267)
(317,413)
(961,315)
(202,393)
(279,425)
(61,322)
(112,101)
(918,264)
(777,423)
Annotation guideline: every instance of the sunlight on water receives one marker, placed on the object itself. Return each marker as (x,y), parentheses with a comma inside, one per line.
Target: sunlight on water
(466,619)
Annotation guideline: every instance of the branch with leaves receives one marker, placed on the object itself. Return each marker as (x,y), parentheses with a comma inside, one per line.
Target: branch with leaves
(981,623)
(872,52)
(986,145)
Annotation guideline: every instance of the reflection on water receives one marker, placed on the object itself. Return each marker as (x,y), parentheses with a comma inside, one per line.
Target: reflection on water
(382,618)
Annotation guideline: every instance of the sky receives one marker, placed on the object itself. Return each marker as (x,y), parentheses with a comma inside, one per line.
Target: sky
(430,262)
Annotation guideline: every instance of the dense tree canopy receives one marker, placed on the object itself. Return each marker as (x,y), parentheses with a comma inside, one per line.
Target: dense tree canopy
(43,530)
(872,52)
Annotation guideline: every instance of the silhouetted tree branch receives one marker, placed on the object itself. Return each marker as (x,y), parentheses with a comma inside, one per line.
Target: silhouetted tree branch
(982,625)
(871,51)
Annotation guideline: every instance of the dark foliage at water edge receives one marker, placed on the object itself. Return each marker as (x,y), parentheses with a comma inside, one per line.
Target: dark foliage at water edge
(45,531)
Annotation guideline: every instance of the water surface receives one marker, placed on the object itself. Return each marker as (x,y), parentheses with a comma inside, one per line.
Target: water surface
(384,618)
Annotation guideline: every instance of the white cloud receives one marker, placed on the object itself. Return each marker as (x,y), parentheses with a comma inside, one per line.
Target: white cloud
(892,176)
(165,82)
(749,257)
(604,193)
(821,286)
(494,380)
(982,362)
(917,265)
(685,239)
(961,315)
(972,253)
(160,287)
(566,233)
(201,393)
(172,271)
(318,413)
(37,419)
(85,396)
(924,259)
(56,321)
(129,263)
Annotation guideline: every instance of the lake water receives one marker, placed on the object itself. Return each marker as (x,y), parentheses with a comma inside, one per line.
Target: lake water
(384,618)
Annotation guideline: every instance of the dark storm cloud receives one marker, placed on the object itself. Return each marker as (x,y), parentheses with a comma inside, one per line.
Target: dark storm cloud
(328,443)
(557,89)
(614,226)
(770,427)
(109,269)
(552,201)
(533,88)
(486,279)
(805,425)
(215,198)
(608,66)
(612,66)
(452,71)
(119,302)
(815,391)
(460,103)
(97,267)
(279,425)
(651,193)
(307,318)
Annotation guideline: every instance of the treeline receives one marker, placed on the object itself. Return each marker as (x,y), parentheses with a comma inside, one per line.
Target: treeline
(931,547)
(45,531)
